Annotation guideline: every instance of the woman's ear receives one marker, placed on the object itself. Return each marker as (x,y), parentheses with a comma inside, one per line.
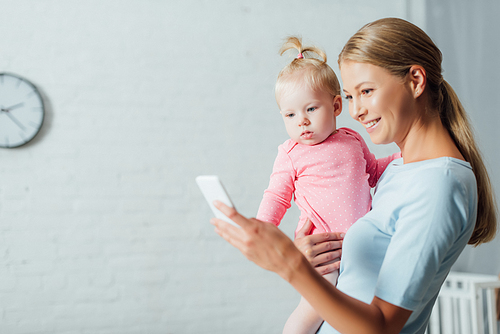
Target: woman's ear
(418,80)
(337,105)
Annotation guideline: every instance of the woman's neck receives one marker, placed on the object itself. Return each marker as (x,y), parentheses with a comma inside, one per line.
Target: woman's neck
(428,139)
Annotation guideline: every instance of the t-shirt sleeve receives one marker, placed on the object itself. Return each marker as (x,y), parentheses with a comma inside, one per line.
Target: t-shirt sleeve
(430,230)
(278,196)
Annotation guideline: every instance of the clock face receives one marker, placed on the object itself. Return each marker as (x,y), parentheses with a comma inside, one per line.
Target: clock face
(21,111)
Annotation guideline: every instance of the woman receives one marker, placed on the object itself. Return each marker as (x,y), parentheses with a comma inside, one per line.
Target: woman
(427,205)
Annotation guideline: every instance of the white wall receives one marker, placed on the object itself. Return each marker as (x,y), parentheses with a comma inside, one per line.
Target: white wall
(102,228)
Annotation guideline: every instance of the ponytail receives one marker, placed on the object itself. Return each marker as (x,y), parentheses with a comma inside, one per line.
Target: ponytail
(294,42)
(309,67)
(454,118)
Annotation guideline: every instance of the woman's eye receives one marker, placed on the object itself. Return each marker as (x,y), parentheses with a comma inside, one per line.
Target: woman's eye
(366,91)
(311,109)
(348,98)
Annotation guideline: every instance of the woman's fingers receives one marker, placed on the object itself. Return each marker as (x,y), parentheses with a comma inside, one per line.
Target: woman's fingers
(326,257)
(305,230)
(231,213)
(321,249)
(327,246)
(328,268)
(312,245)
(326,237)
(227,231)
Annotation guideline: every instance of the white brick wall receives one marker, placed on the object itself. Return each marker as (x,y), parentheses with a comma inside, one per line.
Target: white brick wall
(102,228)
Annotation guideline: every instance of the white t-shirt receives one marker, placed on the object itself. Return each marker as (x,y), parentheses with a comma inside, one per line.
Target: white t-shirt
(422,217)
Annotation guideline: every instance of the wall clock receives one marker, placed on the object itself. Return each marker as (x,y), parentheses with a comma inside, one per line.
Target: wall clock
(21,110)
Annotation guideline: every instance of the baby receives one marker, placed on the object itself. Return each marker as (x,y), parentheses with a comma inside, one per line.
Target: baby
(328,171)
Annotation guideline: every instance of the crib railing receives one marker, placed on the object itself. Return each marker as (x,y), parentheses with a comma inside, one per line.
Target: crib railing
(466,305)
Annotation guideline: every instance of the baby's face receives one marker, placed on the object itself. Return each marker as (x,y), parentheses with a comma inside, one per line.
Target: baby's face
(309,115)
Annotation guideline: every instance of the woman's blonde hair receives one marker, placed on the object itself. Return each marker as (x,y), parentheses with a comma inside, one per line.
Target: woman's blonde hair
(396,45)
(310,67)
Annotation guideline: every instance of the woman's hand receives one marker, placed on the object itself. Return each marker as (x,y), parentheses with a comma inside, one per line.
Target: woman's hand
(322,250)
(260,242)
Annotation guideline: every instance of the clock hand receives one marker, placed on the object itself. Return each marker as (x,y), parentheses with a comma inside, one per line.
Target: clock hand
(15,106)
(16,121)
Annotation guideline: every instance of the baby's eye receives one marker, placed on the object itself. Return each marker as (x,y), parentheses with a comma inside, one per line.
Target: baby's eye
(289,115)
(311,109)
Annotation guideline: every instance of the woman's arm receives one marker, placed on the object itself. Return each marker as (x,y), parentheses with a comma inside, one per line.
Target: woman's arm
(268,247)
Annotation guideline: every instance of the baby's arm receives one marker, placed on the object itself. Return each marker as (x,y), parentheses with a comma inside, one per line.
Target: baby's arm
(278,196)
(375,167)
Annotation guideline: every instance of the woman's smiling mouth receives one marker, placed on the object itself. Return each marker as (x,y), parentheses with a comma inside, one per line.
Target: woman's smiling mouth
(371,123)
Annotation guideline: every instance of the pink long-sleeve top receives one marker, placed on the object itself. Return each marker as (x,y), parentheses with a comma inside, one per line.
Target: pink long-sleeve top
(330,181)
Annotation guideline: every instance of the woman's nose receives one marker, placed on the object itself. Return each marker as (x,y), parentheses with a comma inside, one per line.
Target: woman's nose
(357,110)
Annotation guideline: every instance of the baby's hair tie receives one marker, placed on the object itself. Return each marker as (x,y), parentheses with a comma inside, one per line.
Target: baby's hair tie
(300,56)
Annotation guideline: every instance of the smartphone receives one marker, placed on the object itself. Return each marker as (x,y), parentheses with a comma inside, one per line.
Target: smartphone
(212,189)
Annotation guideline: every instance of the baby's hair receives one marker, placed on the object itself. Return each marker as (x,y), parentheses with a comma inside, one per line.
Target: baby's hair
(306,69)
